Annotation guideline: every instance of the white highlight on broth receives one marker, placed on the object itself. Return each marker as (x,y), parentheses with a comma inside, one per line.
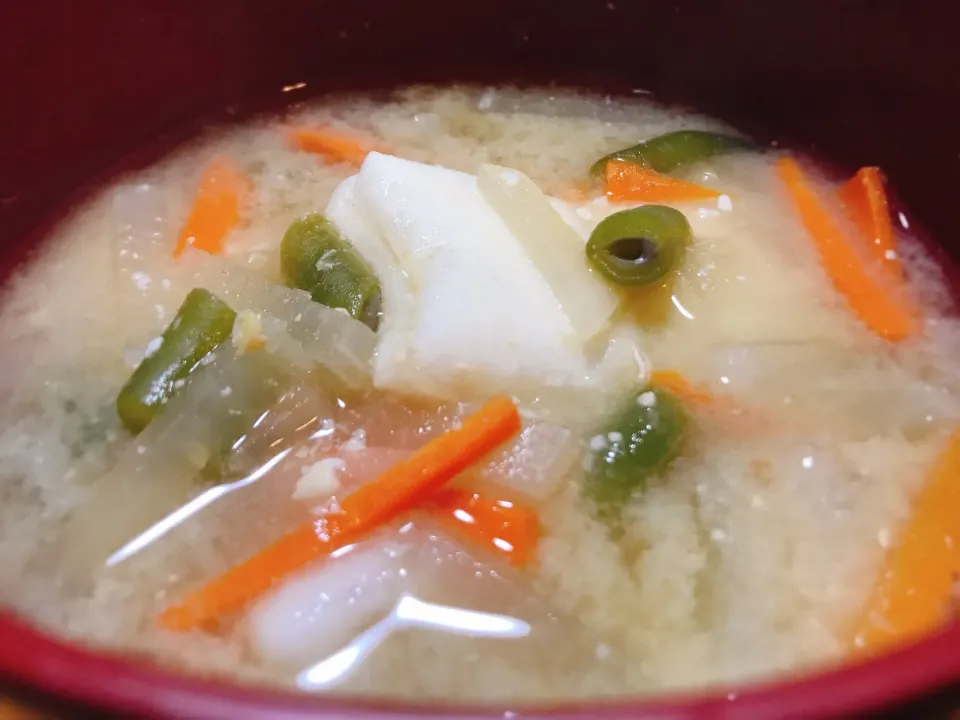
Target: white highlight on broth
(409,612)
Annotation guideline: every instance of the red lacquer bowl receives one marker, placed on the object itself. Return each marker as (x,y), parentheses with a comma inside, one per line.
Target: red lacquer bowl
(86,87)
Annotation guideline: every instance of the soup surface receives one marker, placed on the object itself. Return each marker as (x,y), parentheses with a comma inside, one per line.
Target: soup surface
(531,456)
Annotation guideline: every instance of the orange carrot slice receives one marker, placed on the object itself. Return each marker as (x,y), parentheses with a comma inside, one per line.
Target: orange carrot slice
(334,145)
(507,527)
(673,382)
(399,489)
(627,182)
(915,592)
(865,200)
(738,417)
(222,193)
(883,307)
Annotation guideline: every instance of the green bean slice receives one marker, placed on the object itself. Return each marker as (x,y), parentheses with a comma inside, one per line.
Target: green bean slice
(202,322)
(639,246)
(639,441)
(666,153)
(316,258)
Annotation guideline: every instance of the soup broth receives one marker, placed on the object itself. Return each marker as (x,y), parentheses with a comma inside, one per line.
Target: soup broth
(713,468)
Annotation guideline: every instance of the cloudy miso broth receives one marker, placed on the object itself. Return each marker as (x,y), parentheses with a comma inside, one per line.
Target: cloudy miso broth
(480,394)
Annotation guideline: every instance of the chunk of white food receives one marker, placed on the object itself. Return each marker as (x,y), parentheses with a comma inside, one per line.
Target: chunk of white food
(290,320)
(554,246)
(323,608)
(470,313)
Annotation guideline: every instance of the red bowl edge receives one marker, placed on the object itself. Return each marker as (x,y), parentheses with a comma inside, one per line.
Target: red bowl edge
(107,680)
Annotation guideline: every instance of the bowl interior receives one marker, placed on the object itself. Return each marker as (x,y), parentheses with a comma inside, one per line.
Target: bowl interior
(88,88)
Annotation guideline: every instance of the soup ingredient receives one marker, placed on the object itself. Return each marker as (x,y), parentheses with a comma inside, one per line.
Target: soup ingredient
(639,246)
(554,247)
(339,613)
(681,388)
(329,337)
(395,491)
(222,193)
(625,182)
(865,200)
(503,526)
(917,591)
(333,145)
(666,153)
(469,315)
(303,411)
(157,472)
(314,257)
(202,322)
(884,307)
(641,438)
(318,611)
(537,461)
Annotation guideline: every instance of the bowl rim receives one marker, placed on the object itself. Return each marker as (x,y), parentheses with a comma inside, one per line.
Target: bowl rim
(112,682)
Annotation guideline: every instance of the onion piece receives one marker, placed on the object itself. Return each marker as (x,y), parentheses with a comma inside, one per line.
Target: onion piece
(302,412)
(554,247)
(536,462)
(329,337)
(156,473)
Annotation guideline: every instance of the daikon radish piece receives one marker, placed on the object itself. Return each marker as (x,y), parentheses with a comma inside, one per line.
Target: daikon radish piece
(158,470)
(554,247)
(313,614)
(328,337)
(482,319)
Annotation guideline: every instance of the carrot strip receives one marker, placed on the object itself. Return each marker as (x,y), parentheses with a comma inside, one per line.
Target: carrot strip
(400,488)
(627,182)
(222,192)
(865,200)
(674,382)
(915,592)
(504,526)
(886,311)
(334,145)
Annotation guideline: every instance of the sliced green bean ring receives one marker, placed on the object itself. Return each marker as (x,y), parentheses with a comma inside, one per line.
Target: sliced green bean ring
(666,153)
(639,246)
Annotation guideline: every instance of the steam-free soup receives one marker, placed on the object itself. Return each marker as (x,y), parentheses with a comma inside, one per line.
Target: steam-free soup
(481,394)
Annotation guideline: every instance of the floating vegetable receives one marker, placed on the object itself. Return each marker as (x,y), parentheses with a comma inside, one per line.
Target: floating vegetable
(874,295)
(553,246)
(316,258)
(916,592)
(202,322)
(334,145)
(625,182)
(326,336)
(666,153)
(680,387)
(865,201)
(216,209)
(639,246)
(155,475)
(639,441)
(399,489)
(506,527)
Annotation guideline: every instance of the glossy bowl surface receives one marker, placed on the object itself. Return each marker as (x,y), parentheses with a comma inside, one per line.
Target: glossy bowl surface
(87,89)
